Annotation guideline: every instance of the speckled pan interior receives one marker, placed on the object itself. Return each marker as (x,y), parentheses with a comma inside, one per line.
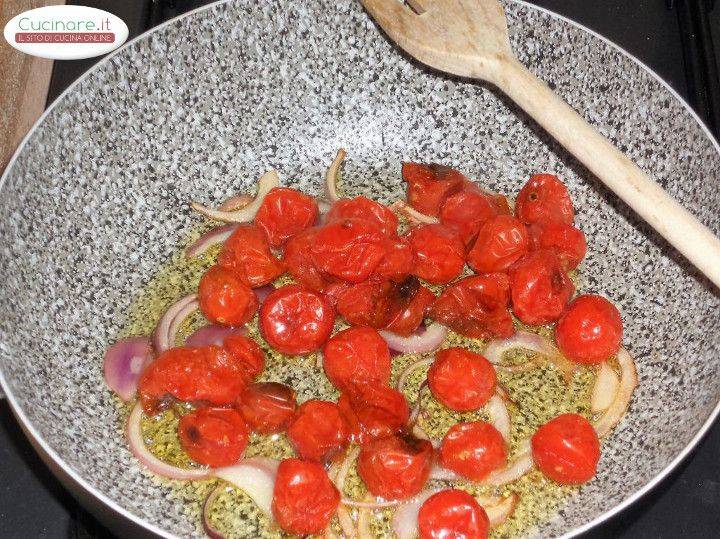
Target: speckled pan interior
(97,199)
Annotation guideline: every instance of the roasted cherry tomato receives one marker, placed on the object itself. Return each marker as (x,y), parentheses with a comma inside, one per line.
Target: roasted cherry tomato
(318,431)
(473,450)
(299,262)
(304,498)
(214,437)
(225,299)
(566,449)
(461,380)
(397,263)
(373,411)
(566,241)
(349,249)
(247,353)
(467,211)
(440,253)
(395,467)
(247,254)
(501,242)
(357,355)
(208,374)
(540,288)
(428,185)
(476,306)
(410,303)
(364,208)
(366,304)
(284,213)
(590,331)
(295,320)
(452,513)
(544,199)
(267,407)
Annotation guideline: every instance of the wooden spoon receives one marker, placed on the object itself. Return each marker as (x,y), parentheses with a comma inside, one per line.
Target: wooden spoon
(470,38)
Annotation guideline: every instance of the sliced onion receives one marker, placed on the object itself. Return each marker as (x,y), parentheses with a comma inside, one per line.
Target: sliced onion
(605,388)
(418,343)
(124,363)
(363,521)
(498,509)
(412,368)
(161,335)
(519,466)
(628,383)
(254,476)
(351,457)
(263,292)
(154,464)
(528,341)
(215,236)
(180,317)
(412,214)
(331,177)
(211,530)
(439,473)
(405,520)
(212,334)
(267,182)
(323,206)
(346,522)
(235,202)
(499,416)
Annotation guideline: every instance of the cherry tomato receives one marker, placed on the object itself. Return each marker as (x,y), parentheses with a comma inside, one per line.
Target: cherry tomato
(247,254)
(566,449)
(590,331)
(267,407)
(247,353)
(539,288)
(440,253)
(304,498)
(397,263)
(410,302)
(284,213)
(299,262)
(452,513)
(364,208)
(349,249)
(225,299)
(461,380)
(333,291)
(499,202)
(318,431)
(428,185)
(357,355)
(395,467)
(544,199)
(373,411)
(501,242)
(214,437)
(295,320)
(566,241)
(473,450)
(467,211)
(476,306)
(210,374)
(366,304)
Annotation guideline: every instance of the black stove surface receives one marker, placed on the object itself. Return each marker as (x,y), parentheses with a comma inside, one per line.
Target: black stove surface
(686,504)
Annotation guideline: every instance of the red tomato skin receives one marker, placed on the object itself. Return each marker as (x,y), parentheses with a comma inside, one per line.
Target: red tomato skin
(467,211)
(318,431)
(299,263)
(284,213)
(461,380)
(247,254)
(408,314)
(397,263)
(540,288)
(473,450)
(544,199)
(366,304)
(304,498)
(246,352)
(213,437)
(428,185)
(357,355)
(566,241)
(349,249)
(267,407)
(294,320)
(476,307)
(373,411)
(590,330)
(567,449)
(208,374)
(440,253)
(395,467)
(225,299)
(364,208)
(501,241)
(452,513)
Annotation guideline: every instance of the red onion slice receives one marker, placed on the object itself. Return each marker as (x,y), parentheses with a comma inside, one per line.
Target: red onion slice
(267,182)
(331,177)
(323,207)
(164,334)
(428,341)
(124,363)
(255,477)
(210,530)
(154,464)
(404,521)
(263,292)
(519,466)
(363,520)
(628,383)
(605,388)
(498,509)
(235,202)
(499,416)
(528,341)
(215,236)
(212,334)
(414,216)
(412,368)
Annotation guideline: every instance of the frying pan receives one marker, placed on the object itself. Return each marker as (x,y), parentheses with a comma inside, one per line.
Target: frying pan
(95,200)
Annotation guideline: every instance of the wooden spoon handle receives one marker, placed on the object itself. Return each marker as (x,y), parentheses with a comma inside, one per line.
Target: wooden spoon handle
(622,176)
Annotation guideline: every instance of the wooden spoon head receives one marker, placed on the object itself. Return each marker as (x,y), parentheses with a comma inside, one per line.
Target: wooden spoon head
(462,37)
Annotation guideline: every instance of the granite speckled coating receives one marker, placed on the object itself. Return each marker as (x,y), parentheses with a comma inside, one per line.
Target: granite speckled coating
(199,108)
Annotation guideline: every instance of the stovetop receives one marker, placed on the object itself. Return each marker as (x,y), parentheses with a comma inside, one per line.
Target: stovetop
(670,36)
